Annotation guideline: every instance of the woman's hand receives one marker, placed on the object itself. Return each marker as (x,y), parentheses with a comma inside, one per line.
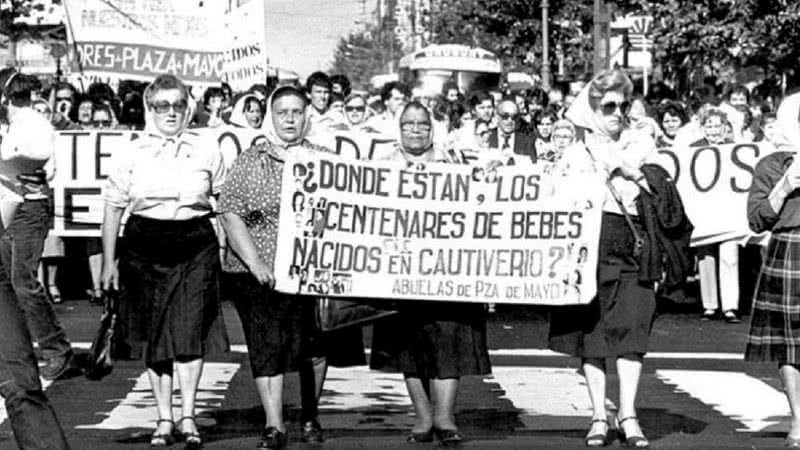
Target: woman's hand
(263,272)
(110,277)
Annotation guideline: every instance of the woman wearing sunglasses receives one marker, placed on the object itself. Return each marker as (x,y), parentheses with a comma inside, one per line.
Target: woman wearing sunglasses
(170,309)
(617,323)
(355,111)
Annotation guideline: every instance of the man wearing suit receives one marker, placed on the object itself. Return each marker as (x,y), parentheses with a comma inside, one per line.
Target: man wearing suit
(508,137)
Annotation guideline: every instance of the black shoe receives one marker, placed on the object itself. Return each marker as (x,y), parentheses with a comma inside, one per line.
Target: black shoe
(311,432)
(420,438)
(272,438)
(730,316)
(58,366)
(448,438)
(709,314)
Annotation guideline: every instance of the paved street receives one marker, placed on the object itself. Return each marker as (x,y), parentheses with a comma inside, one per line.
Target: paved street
(695,393)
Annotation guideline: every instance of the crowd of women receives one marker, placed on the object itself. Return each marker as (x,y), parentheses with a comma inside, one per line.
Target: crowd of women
(173,181)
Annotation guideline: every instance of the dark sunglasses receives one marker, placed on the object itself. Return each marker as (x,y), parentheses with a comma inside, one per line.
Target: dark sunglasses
(101,123)
(611,107)
(355,108)
(506,116)
(163,107)
(421,126)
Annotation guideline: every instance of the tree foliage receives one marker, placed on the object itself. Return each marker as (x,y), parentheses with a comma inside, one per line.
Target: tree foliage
(363,54)
(15,14)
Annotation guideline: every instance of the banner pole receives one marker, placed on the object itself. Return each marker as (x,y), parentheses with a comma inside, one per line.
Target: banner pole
(70,32)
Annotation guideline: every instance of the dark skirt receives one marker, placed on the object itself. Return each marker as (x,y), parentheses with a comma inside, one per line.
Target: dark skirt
(169,305)
(432,340)
(775,320)
(280,330)
(619,320)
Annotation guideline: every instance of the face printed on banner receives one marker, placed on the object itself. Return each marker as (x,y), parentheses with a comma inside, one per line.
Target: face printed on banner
(43,108)
(85,112)
(356,110)
(169,108)
(484,110)
(507,115)
(395,102)
(253,113)
(612,108)
(671,124)
(415,131)
(288,117)
(320,96)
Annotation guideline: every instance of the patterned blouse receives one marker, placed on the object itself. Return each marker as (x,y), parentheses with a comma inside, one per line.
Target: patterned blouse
(252,191)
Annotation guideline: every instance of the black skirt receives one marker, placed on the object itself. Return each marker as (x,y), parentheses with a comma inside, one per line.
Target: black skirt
(169,305)
(432,340)
(280,330)
(619,319)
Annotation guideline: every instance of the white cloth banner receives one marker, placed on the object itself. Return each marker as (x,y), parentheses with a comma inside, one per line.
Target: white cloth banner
(714,182)
(83,158)
(438,232)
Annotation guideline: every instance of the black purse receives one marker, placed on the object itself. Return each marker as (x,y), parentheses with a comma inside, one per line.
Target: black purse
(101,362)
(335,314)
(639,241)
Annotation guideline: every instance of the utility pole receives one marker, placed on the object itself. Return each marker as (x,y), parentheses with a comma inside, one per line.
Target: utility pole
(545,45)
(380,33)
(601,36)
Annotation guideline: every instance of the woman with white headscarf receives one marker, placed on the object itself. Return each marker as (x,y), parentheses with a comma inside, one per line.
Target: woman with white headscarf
(617,323)
(774,205)
(279,328)
(433,344)
(170,308)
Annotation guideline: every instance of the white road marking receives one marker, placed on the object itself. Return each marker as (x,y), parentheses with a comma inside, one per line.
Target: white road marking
(355,388)
(137,409)
(4,413)
(736,395)
(544,391)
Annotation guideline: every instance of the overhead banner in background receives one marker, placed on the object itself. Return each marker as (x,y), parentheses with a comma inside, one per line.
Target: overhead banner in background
(141,39)
(83,161)
(515,234)
(200,43)
(714,182)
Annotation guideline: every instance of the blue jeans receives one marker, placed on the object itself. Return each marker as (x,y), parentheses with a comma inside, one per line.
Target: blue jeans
(20,251)
(32,418)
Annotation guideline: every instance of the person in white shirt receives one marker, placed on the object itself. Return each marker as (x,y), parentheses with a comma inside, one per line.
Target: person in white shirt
(394,96)
(24,307)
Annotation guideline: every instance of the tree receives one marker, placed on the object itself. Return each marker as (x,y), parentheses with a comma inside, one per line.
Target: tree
(15,16)
(362,54)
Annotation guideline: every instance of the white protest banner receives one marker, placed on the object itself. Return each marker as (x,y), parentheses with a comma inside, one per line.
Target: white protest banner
(245,56)
(83,164)
(439,231)
(141,39)
(713,182)
(354,144)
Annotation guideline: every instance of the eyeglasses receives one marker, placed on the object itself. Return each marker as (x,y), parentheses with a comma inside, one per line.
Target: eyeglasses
(421,126)
(164,107)
(101,123)
(507,116)
(611,107)
(545,124)
(355,108)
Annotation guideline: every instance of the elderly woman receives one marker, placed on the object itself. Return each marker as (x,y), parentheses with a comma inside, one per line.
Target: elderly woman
(774,205)
(722,297)
(617,323)
(170,307)
(433,344)
(279,328)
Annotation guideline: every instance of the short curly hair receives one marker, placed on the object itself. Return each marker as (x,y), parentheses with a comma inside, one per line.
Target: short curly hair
(614,80)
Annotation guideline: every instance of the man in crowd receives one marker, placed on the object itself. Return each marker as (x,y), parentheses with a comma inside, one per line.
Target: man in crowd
(508,137)
(318,88)
(340,84)
(394,96)
(26,147)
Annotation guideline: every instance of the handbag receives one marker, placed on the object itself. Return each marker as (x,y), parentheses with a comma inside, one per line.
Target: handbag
(335,314)
(639,241)
(101,362)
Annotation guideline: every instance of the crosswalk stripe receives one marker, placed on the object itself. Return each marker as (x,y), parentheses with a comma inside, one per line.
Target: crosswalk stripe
(736,395)
(137,408)
(4,413)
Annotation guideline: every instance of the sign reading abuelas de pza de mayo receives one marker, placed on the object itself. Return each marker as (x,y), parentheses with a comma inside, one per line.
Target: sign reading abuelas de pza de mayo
(438,232)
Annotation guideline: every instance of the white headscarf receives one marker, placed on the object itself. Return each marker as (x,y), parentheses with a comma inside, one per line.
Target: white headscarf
(276,142)
(787,124)
(237,113)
